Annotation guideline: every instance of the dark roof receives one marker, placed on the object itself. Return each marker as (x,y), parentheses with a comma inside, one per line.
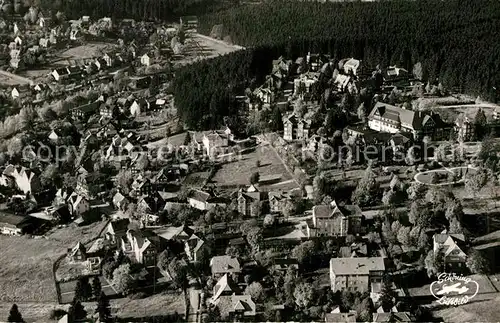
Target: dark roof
(120,225)
(12,220)
(199,195)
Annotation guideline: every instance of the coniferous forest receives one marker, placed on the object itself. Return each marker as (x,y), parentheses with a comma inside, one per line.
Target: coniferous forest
(455,40)
(151,10)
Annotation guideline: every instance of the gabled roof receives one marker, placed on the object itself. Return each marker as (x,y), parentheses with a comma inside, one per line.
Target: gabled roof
(199,195)
(119,226)
(340,317)
(225,285)
(392,317)
(79,247)
(333,210)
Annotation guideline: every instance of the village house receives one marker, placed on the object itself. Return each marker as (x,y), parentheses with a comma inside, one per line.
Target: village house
(451,246)
(193,247)
(277,201)
(152,203)
(78,204)
(393,317)
(145,60)
(332,220)
(304,84)
(78,253)
(141,246)
(353,66)
(345,83)
(87,183)
(138,107)
(228,299)
(283,264)
(464,128)
(217,142)
(295,128)
(24,179)
(356,274)
(264,94)
(120,201)
(315,61)
(388,118)
(221,265)
(339,317)
(141,186)
(203,201)
(116,230)
(11,224)
(60,74)
(250,201)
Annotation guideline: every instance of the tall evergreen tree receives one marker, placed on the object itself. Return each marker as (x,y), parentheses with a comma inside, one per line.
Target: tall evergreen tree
(96,287)
(103,308)
(76,311)
(15,315)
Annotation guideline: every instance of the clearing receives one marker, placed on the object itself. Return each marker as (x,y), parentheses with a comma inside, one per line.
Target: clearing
(88,50)
(26,269)
(238,172)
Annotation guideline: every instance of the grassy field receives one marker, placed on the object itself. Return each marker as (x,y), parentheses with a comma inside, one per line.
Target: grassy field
(156,305)
(88,50)
(239,171)
(475,311)
(26,270)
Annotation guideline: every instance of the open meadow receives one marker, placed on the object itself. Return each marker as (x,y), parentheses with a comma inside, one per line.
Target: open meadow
(26,268)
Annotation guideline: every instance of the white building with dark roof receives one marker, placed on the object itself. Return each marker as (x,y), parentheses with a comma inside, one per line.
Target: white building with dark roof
(356,274)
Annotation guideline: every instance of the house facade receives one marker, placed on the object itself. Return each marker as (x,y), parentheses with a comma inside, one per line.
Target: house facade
(388,118)
(332,220)
(451,247)
(356,274)
(295,128)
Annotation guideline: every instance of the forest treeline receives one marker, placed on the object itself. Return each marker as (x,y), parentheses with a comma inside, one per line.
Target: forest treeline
(150,10)
(455,40)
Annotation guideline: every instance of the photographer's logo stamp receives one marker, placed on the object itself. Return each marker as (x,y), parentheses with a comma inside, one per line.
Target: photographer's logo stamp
(453,289)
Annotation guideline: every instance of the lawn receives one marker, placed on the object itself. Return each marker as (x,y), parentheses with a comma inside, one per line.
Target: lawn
(156,305)
(475,311)
(26,271)
(238,172)
(88,50)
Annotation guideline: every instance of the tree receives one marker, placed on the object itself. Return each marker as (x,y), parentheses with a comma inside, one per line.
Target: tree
(269,220)
(303,294)
(475,181)
(255,238)
(421,214)
(362,113)
(103,308)
(364,310)
(403,236)
(411,157)
(366,192)
(83,289)
(387,295)
(256,291)
(76,311)
(304,252)
(480,125)
(96,287)
(15,315)
(416,191)
(477,262)
(396,184)
(122,280)
(389,197)
(254,179)
(423,240)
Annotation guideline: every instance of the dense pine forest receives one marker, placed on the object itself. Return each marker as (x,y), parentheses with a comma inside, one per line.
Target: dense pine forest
(151,10)
(455,40)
